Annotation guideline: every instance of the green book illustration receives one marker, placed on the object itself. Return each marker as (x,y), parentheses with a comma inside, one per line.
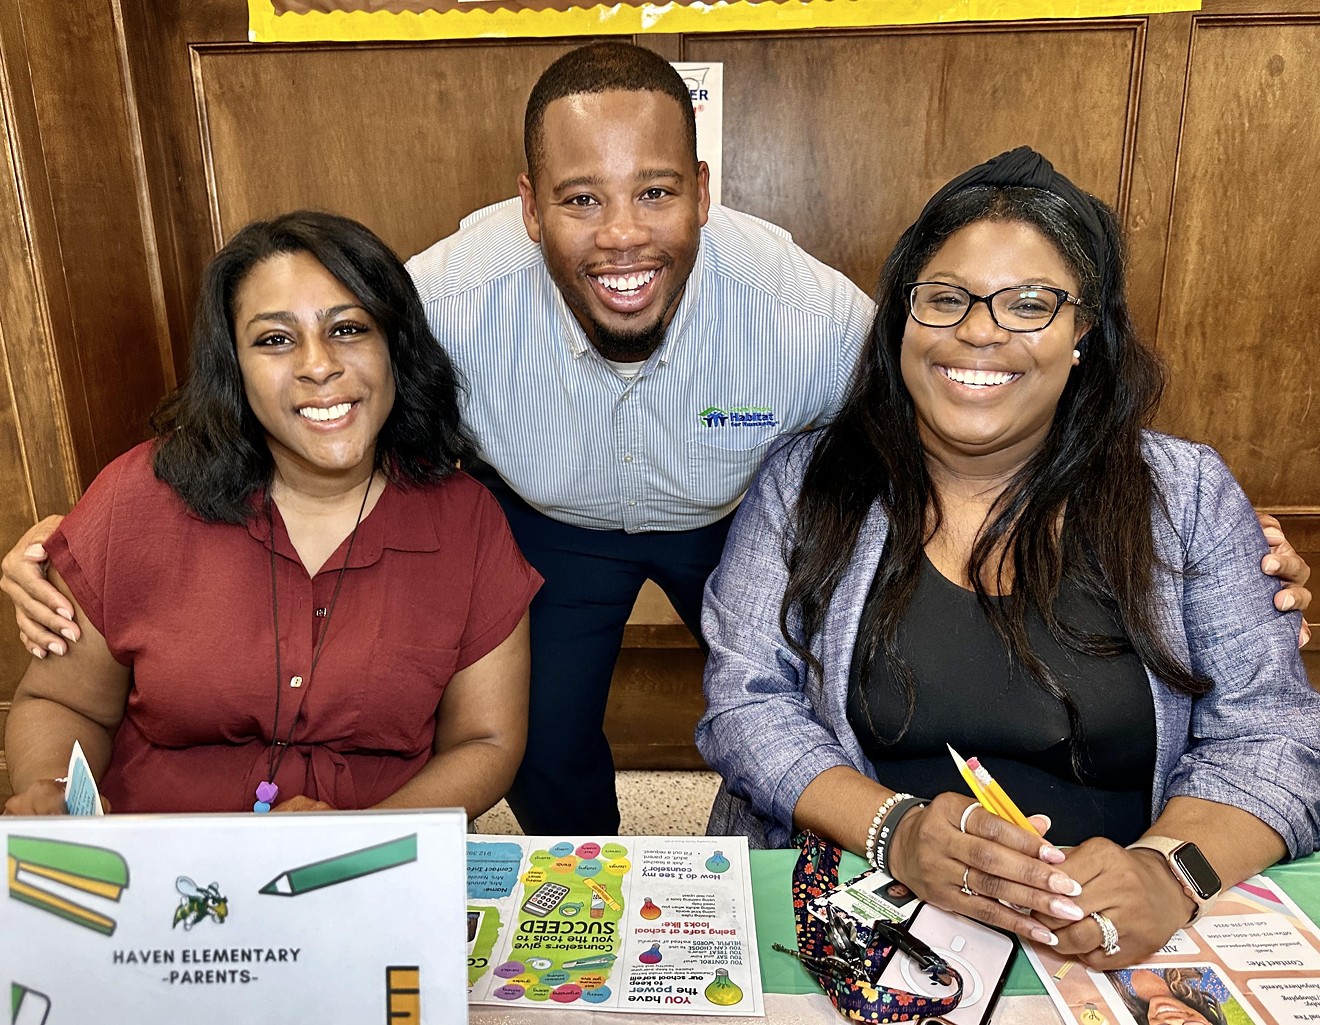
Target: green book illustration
(34,862)
(343,867)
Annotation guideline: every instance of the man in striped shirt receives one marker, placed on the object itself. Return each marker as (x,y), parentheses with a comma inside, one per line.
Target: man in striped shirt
(631,352)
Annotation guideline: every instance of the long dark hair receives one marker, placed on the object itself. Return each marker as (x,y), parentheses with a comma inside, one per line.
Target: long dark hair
(210,447)
(1090,462)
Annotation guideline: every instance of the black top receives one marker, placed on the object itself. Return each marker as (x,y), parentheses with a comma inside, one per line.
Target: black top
(969,695)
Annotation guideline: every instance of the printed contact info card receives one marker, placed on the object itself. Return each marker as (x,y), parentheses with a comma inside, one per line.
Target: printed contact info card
(1252,959)
(351,916)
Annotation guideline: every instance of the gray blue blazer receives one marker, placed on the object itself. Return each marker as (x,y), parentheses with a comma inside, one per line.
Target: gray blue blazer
(1253,742)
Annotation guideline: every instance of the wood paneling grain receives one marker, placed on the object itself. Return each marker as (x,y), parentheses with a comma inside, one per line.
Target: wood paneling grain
(1238,320)
(78,134)
(6,790)
(1157,122)
(842,137)
(655,701)
(415,139)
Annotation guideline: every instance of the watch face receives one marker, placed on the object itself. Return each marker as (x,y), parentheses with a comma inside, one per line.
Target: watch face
(1203,879)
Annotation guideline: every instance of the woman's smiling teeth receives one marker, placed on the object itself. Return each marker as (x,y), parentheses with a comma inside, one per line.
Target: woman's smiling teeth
(327,413)
(978,378)
(626,284)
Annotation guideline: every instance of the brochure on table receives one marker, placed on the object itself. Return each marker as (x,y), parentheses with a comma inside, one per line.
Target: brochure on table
(1254,955)
(639,923)
(234,918)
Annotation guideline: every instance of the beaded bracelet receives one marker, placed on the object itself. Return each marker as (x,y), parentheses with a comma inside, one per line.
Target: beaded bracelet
(890,826)
(880,814)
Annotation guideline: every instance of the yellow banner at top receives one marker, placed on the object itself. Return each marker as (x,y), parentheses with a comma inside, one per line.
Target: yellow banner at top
(287,21)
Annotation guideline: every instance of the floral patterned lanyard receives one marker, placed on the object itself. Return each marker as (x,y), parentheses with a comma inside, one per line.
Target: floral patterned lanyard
(846,965)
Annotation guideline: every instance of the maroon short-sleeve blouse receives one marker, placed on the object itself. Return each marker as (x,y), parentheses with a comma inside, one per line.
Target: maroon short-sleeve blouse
(434,583)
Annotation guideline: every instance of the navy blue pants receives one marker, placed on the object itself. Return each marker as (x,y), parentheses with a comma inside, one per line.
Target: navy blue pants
(592,577)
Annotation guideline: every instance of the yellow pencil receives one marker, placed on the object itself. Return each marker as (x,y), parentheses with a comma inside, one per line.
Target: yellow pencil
(602,893)
(1009,810)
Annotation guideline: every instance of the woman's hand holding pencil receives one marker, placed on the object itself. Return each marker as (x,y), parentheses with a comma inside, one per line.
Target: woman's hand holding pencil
(993,867)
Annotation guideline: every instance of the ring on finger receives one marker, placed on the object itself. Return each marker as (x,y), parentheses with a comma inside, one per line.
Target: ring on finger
(967,814)
(965,888)
(1108,934)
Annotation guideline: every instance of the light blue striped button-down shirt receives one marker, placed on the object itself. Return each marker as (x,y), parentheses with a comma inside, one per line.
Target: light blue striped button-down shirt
(762,343)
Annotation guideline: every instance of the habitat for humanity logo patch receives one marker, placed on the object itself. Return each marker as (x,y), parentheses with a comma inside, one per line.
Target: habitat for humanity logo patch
(739,416)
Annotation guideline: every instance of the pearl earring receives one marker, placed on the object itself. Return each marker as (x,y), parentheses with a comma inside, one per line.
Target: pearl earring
(1077,354)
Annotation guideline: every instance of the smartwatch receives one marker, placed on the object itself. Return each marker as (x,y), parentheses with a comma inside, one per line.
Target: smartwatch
(1189,866)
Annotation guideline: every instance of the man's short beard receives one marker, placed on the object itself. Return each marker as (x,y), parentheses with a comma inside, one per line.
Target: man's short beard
(628,346)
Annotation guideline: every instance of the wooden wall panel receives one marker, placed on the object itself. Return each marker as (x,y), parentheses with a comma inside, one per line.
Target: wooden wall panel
(83,345)
(842,137)
(411,138)
(78,135)
(31,438)
(1238,320)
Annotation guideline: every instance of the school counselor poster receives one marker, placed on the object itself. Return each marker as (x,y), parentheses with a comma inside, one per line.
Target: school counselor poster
(272,21)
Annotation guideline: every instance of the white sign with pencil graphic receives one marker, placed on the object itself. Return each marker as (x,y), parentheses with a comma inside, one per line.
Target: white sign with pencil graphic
(226,918)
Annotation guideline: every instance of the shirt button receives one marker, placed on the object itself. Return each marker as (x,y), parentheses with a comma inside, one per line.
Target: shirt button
(627,458)
(632,503)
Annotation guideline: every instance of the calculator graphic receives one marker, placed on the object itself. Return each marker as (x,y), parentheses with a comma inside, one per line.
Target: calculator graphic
(545,899)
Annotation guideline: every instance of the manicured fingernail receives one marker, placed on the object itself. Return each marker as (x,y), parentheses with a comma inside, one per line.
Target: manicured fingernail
(1051,854)
(57,647)
(39,652)
(1287,601)
(1271,564)
(34,552)
(1042,935)
(1061,883)
(66,613)
(69,634)
(1061,908)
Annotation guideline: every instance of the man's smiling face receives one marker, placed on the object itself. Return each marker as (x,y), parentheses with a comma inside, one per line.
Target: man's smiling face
(617,208)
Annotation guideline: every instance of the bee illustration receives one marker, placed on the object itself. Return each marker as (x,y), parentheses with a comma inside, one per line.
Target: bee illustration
(198,903)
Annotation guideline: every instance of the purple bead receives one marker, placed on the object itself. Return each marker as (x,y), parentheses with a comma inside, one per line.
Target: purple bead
(261,806)
(266,791)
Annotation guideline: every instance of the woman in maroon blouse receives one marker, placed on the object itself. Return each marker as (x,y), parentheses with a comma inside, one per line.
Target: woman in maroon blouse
(291,599)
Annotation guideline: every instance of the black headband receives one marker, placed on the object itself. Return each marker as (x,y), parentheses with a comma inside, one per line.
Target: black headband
(1025,168)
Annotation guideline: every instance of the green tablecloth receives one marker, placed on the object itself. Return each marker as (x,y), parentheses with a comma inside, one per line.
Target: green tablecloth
(772,870)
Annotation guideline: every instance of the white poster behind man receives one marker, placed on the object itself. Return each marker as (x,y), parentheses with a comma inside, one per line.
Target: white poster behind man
(705,83)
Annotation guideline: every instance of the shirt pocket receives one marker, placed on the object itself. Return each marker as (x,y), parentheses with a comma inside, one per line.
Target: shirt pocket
(722,461)
(402,695)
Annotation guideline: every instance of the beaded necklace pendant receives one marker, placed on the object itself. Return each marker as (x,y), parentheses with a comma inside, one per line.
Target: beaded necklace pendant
(266,793)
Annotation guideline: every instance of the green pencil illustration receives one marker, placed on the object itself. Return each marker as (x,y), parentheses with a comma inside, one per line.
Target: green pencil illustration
(343,867)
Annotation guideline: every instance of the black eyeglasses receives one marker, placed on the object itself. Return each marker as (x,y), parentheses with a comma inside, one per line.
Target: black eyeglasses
(1019,308)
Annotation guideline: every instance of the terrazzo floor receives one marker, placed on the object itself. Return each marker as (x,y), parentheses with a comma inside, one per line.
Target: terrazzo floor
(650,804)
